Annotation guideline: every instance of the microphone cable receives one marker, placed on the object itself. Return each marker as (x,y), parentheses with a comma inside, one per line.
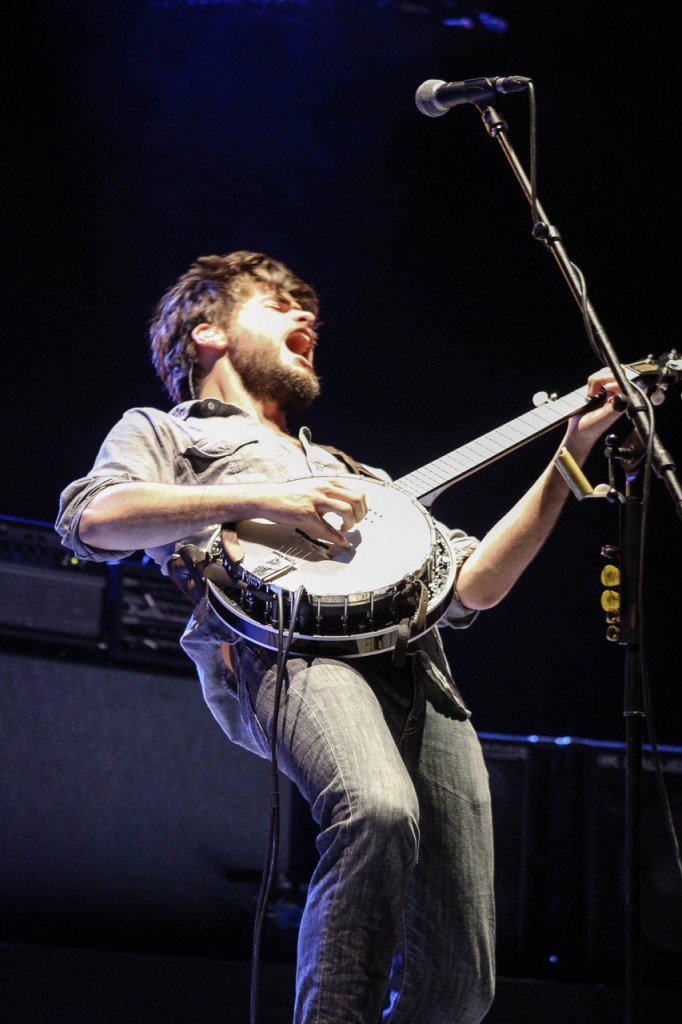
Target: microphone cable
(272,849)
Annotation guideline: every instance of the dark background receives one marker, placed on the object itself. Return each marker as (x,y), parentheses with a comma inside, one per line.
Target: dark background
(141,135)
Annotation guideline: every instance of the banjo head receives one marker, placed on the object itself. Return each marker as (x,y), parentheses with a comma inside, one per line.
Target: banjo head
(348,598)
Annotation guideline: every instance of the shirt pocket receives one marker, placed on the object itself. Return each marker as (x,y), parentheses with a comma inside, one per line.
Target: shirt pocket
(210,461)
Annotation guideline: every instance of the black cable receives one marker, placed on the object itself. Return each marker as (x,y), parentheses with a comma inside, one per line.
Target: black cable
(283,648)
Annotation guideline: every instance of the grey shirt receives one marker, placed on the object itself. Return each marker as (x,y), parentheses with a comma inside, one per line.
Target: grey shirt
(205,443)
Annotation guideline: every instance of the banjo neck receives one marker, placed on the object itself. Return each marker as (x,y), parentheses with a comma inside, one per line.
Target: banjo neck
(427,482)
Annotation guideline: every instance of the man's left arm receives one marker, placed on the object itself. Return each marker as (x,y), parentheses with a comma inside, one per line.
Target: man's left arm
(511,545)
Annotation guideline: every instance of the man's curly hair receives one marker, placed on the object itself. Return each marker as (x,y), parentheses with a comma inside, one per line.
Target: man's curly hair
(208,293)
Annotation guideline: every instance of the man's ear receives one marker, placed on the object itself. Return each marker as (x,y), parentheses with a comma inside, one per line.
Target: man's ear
(210,336)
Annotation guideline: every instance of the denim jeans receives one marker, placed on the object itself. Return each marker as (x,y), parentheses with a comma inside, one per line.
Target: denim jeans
(399,921)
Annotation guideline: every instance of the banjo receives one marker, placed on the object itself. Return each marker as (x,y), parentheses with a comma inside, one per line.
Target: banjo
(395,581)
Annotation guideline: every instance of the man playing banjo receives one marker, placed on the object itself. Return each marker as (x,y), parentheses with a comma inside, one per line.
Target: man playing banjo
(399,919)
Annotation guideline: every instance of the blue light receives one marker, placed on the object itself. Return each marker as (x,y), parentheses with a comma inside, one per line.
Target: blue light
(458,23)
(492,23)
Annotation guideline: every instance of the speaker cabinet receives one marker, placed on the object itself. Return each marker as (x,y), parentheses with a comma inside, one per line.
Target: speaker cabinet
(559,832)
(52,604)
(600,897)
(129,820)
(515,783)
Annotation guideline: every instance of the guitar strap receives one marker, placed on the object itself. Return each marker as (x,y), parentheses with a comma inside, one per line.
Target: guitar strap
(349,463)
(411,601)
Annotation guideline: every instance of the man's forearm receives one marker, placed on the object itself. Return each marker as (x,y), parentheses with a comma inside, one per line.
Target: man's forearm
(512,544)
(146,515)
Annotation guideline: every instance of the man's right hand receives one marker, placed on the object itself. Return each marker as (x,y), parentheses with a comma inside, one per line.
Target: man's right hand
(323,507)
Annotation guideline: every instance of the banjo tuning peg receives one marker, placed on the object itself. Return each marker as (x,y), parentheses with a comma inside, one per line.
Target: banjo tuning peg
(542,397)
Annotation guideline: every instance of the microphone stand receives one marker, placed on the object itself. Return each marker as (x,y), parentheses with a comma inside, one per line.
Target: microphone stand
(634,404)
(645,440)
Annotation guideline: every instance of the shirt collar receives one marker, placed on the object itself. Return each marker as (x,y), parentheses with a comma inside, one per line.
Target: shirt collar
(204,408)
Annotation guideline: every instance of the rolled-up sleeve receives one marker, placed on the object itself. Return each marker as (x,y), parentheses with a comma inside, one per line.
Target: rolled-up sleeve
(73,501)
(458,615)
(130,452)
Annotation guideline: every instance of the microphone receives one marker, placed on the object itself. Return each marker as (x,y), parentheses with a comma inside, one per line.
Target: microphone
(434,98)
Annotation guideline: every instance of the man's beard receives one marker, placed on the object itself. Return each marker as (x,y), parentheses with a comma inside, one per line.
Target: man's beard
(265,377)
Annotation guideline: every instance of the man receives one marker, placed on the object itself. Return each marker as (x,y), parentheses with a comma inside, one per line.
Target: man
(399,919)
